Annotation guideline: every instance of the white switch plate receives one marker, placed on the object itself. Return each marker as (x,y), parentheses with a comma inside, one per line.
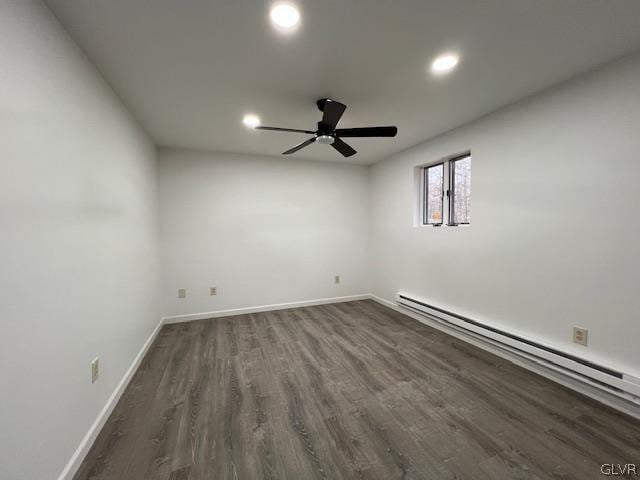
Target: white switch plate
(182,293)
(95,370)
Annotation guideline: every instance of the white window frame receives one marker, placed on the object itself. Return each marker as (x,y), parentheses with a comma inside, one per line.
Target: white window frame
(425,194)
(448,192)
(451,190)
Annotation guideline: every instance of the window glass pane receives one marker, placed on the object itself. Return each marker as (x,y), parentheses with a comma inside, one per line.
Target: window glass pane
(433,194)
(462,190)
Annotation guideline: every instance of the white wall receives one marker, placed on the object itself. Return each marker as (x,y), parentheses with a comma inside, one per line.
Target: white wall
(78,248)
(553,243)
(264,230)
(554,240)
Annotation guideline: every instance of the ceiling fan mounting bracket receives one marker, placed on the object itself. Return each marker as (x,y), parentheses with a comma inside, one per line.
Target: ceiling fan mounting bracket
(321,103)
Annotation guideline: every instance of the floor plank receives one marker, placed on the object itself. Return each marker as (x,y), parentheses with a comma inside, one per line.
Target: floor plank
(346,391)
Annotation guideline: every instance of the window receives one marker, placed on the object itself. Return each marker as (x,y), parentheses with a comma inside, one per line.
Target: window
(455,173)
(460,191)
(434,194)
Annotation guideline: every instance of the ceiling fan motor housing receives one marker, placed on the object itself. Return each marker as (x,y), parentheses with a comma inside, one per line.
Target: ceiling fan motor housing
(324,129)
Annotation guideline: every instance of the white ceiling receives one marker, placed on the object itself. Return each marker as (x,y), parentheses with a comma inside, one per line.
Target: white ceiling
(190,69)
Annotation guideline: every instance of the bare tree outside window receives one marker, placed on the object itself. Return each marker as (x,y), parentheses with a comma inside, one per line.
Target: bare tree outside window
(461,191)
(451,178)
(434,188)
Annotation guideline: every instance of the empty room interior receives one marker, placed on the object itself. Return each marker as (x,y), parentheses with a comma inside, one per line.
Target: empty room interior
(355,239)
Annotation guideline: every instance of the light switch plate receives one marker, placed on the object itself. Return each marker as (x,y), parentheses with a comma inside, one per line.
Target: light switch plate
(182,293)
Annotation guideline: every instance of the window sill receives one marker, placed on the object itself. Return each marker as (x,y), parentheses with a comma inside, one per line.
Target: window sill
(461,225)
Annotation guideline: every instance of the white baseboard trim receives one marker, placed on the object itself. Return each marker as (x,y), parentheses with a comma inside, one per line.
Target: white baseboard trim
(78,456)
(572,383)
(87,442)
(262,308)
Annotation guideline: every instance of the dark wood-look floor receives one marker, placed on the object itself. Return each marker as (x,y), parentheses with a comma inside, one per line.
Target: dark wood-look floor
(346,391)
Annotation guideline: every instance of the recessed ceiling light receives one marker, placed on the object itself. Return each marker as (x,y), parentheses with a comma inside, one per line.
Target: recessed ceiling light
(444,63)
(285,16)
(251,120)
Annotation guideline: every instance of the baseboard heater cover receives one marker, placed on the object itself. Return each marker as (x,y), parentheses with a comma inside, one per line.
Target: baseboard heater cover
(615,381)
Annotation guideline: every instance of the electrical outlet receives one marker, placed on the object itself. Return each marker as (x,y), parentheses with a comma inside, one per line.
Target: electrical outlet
(182,293)
(336,279)
(95,370)
(213,291)
(580,335)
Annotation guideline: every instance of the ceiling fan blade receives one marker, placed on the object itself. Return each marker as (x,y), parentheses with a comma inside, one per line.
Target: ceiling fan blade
(332,113)
(278,129)
(343,148)
(300,146)
(368,132)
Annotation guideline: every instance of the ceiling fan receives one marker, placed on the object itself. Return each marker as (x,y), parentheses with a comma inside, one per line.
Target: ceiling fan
(328,134)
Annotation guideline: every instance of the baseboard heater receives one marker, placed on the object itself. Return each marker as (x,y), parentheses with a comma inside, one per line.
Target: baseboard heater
(612,380)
